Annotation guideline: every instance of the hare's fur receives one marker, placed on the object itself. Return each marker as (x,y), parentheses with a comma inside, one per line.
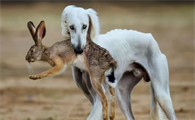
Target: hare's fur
(94,59)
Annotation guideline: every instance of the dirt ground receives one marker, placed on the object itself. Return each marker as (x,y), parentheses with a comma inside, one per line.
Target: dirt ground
(58,98)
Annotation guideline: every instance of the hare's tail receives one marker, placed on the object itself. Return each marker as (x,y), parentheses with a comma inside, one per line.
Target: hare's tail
(110,78)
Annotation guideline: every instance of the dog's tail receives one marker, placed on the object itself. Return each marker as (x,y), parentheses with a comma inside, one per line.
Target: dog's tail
(110,78)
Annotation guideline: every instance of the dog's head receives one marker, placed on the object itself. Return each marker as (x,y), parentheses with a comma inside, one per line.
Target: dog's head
(75,22)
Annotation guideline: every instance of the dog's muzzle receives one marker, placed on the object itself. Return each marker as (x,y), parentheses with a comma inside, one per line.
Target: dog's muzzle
(78,50)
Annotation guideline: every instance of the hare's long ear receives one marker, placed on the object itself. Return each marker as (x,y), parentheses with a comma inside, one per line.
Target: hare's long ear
(95,26)
(32,29)
(40,32)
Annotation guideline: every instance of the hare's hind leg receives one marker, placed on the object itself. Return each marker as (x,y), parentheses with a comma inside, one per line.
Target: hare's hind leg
(112,92)
(99,90)
(59,65)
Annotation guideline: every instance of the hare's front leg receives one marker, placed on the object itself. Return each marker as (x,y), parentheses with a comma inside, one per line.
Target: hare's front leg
(99,90)
(59,65)
(112,114)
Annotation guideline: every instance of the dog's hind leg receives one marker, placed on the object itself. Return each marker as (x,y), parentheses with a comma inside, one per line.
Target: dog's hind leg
(156,111)
(123,93)
(82,80)
(160,89)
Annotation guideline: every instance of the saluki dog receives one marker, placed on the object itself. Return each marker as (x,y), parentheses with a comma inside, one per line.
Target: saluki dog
(137,55)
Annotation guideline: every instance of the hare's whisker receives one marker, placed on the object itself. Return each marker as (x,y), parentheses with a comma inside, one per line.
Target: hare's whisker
(30,69)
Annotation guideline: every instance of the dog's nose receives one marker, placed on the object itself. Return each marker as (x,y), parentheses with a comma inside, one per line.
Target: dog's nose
(78,50)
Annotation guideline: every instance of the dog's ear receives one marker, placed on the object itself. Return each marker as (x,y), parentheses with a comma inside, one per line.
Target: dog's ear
(64,25)
(89,28)
(94,21)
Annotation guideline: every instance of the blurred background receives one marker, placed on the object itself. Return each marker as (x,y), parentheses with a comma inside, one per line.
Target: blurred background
(58,97)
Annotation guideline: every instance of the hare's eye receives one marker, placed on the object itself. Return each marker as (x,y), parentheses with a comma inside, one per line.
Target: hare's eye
(72,27)
(32,50)
(84,26)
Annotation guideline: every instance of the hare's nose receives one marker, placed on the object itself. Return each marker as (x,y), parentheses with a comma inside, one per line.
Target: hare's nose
(26,58)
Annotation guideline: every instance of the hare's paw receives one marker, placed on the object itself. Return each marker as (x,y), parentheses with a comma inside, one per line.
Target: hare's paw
(34,77)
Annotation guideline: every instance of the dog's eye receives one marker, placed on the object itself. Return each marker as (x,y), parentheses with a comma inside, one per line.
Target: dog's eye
(72,27)
(84,26)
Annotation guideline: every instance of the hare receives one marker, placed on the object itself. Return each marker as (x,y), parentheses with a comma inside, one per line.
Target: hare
(94,59)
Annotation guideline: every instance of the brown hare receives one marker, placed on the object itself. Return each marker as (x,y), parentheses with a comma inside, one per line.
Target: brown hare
(94,59)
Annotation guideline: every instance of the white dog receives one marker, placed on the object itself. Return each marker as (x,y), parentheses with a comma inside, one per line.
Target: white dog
(76,27)
(137,55)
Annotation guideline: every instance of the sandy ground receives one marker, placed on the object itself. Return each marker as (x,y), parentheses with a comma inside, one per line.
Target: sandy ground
(58,98)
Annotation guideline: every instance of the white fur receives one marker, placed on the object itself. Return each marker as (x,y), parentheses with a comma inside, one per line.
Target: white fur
(79,62)
(126,47)
(62,71)
(77,17)
(108,72)
(113,85)
(95,24)
(129,46)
